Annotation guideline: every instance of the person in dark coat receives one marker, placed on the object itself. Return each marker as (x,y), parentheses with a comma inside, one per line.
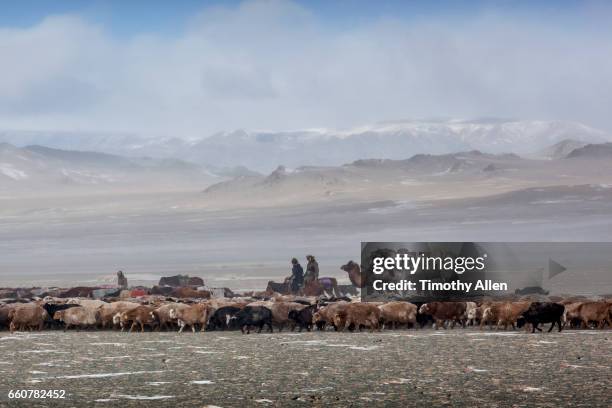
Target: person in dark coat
(297,276)
(122,281)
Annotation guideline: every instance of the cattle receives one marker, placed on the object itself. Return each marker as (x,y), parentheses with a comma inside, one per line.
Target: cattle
(77,316)
(280,312)
(422,319)
(393,313)
(142,315)
(598,312)
(490,314)
(86,302)
(304,317)
(258,316)
(264,303)
(219,303)
(307,301)
(91,304)
(191,316)
(51,309)
(5,321)
(358,315)
(109,310)
(224,318)
(444,311)
(571,316)
(503,313)
(471,310)
(542,312)
(325,315)
(474,316)
(163,314)
(27,316)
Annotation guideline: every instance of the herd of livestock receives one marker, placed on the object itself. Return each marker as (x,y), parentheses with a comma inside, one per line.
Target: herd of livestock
(246,314)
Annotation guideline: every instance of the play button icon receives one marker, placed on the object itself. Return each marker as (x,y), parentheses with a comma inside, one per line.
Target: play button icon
(554,268)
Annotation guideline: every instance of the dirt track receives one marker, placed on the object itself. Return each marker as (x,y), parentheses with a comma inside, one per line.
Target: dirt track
(394,368)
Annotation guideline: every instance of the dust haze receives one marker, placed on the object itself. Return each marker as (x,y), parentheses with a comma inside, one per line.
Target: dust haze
(62,223)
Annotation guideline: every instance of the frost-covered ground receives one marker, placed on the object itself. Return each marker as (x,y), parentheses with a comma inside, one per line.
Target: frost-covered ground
(461,367)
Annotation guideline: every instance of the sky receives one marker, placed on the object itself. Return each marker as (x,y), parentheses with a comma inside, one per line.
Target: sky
(192,68)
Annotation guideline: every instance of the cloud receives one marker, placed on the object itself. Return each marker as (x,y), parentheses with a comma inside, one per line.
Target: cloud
(277,65)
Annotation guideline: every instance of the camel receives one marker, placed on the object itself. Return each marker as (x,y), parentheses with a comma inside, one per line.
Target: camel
(354,273)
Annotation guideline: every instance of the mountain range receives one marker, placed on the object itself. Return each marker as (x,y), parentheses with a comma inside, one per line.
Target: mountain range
(420,177)
(263,151)
(36,168)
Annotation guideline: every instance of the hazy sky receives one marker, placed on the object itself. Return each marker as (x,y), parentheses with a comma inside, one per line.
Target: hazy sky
(192,68)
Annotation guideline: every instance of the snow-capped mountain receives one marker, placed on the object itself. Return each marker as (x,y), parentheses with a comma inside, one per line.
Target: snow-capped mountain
(264,150)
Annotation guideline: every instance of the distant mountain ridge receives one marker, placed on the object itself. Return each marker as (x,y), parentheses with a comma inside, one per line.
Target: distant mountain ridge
(265,150)
(560,150)
(593,151)
(284,181)
(44,168)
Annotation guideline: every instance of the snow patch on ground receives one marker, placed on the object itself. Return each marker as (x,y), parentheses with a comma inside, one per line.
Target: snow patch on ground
(470,369)
(101,375)
(109,344)
(143,397)
(43,352)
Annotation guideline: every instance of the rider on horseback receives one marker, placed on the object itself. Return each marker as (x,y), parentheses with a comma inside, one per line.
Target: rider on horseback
(312,270)
(297,276)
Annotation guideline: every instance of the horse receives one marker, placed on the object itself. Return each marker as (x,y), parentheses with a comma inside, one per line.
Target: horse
(323,286)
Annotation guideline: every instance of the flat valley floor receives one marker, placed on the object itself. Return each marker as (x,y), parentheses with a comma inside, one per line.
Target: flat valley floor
(461,367)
